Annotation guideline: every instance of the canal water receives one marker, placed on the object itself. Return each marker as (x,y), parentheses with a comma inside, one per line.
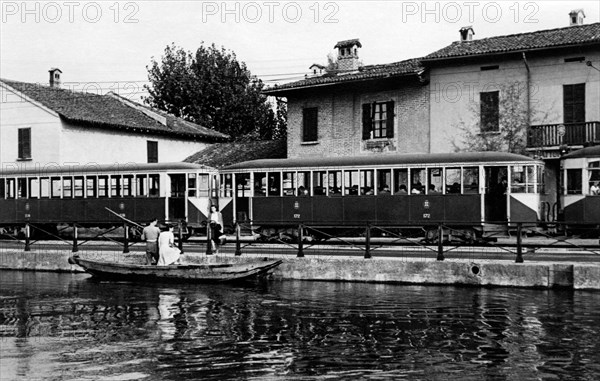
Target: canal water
(69,327)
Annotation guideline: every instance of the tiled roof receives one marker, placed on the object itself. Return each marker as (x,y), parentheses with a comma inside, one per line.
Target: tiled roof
(543,39)
(345,43)
(224,154)
(110,111)
(402,68)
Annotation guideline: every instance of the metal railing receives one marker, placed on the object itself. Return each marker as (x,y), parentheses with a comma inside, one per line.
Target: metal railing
(571,134)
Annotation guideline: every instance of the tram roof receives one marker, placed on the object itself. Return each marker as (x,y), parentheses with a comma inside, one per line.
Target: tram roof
(379,160)
(91,168)
(593,151)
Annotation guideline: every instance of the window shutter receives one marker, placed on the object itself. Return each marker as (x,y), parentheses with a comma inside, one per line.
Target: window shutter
(152,152)
(489,110)
(24,137)
(367,121)
(310,122)
(389,128)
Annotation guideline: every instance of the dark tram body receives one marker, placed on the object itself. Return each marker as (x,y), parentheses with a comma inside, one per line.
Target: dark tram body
(580,194)
(463,189)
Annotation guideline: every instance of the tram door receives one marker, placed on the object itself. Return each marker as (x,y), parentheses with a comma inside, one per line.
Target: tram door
(495,199)
(176,200)
(242,196)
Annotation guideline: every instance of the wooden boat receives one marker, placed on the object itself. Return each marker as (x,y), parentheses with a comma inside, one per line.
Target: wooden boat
(234,271)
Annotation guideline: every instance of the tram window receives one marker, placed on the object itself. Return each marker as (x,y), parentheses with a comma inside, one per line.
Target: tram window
(214,186)
(594,178)
(102,186)
(319,183)
(203,185)
(154,185)
(367,182)
(67,187)
(2,189)
(453,181)
(303,183)
(115,186)
(55,187)
(191,185)
(22,188)
(417,177)
(242,182)
(335,182)
(351,183)
(78,187)
(523,179)
(90,186)
(128,186)
(34,188)
(274,184)
(384,179)
(574,181)
(401,181)
(471,180)
(434,180)
(227,185)
(141,184)
(45,187)
(289,183)
(260,184)
(10,188)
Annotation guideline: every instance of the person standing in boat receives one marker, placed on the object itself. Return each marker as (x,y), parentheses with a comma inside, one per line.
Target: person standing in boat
(150,235)
(168,253)
(215,222)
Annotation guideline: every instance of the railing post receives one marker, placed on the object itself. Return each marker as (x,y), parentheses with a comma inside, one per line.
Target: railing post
(125,238)
(300,242)
(180,237)
(238,244)
(368,241)
(209,250)
(75,246)
(27,235)
(519,244)
(440,250)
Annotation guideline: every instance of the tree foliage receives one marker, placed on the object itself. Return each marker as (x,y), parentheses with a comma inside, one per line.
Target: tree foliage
(514,121)
(212,88)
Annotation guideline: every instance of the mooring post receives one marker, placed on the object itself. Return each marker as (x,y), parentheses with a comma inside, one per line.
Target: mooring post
(300,242)
(440,236)
(27,235)
(125,238)
(209,250)
(519,244)
(180,237)
(238,244)
(75,246)
(368,241)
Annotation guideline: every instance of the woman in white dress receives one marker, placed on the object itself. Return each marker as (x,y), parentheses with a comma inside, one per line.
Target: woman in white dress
(168,253)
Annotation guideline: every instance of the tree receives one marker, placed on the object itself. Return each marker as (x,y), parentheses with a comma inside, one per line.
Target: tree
(513,123)
(211,88)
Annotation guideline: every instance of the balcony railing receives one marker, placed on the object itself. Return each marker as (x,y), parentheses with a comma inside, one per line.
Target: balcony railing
(571,134)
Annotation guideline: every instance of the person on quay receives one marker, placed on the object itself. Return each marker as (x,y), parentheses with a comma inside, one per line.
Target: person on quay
(215,223)
(168,253)
(150,235)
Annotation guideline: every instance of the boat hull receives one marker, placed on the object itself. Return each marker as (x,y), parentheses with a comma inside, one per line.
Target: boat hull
(202,273)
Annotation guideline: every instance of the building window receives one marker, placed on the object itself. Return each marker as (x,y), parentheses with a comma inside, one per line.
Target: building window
(378,120)
(310,123)
(152,152)
(574,103)
(24,143)
(490,111)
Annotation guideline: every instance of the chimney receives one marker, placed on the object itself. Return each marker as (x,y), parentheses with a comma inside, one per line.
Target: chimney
(576,17)
(466,33)
(55,77)
(348,54)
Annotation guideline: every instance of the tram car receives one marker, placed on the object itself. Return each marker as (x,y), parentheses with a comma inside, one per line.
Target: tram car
(52,195)
(470,192)
(580,193)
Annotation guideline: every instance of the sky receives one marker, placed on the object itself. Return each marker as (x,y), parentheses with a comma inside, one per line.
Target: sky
(106,45)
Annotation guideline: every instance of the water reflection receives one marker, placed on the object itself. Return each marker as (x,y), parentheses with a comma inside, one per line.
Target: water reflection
(61,326)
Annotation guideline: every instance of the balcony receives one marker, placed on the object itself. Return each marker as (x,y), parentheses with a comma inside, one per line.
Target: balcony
(549,137)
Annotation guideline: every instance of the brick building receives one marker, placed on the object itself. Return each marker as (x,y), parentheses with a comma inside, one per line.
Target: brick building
(356,109)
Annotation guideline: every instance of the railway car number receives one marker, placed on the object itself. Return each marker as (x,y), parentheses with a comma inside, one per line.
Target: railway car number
(296,215)
(426,215)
